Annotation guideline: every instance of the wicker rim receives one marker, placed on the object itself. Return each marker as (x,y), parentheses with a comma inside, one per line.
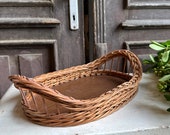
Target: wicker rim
(22,82)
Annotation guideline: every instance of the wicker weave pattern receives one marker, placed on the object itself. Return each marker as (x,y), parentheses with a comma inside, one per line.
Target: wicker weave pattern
(47,106)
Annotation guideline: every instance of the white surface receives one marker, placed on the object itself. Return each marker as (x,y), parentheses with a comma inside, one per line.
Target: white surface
(145,115)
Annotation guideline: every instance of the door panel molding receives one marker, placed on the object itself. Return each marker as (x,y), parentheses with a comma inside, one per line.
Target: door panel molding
(146,24)
(26,3)
(147,4)
(24,44)
(28,42)
(29,57)
(141,49)
(28,22)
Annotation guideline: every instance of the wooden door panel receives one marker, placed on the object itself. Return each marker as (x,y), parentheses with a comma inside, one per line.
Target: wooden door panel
(26,57)
(130,24)
(147,20)
(5,72)
(30,64)
(28,35)
(39,55)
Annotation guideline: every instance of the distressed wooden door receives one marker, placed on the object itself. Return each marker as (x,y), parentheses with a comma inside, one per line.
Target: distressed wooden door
(129,24)
(35,38)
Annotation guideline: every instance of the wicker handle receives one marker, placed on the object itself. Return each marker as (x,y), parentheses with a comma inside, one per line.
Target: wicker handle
(133,59)
(22,82)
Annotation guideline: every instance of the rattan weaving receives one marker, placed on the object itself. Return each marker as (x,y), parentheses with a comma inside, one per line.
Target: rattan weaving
(80,94)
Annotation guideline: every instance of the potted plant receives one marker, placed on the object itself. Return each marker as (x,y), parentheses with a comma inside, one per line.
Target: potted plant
(160,65)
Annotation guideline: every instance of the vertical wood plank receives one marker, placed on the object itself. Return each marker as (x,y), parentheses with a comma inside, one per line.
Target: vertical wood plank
(30,65)
(101,49)
(5,72)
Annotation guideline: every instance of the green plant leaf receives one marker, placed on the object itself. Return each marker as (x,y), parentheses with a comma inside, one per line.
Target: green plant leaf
(152,58)
(167,96)
(168,109)
(156,43)
(156,47)
(167,65)
(161,66)
(147,62)
(165,78)
(167,69)
(167,43)
(165,56)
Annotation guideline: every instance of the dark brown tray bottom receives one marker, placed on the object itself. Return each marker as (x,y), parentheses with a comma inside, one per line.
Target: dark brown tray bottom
(89,87)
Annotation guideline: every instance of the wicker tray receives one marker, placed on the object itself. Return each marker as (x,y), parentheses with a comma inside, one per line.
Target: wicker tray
(82,93)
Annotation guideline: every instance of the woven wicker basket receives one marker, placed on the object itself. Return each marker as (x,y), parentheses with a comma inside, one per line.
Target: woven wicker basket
(82,93)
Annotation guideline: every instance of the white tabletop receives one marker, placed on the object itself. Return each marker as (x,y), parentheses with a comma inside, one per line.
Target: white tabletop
(145,115)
